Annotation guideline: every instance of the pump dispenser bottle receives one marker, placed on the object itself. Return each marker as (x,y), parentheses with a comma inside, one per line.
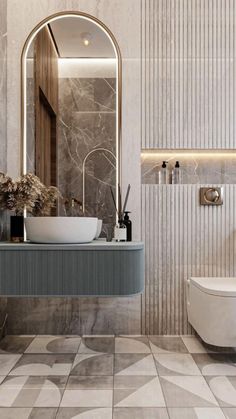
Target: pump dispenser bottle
(176,174)
(163,174)
(128,224)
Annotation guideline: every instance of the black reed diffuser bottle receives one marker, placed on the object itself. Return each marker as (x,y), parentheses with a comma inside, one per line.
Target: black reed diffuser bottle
(17,228)
(128,224)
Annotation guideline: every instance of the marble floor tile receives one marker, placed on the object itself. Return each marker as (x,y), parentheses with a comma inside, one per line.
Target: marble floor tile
(97,344)
(27,413)
(229,412)
(15,344)
(187,391)
(7,362)
(54,344)
(216,364)
(134,364)
(43,365)
(93,364)
(87,398)
(196,413)
(194,345)
(170,364)
(82,413)
(135,345)
(140,413)
(78,382)
(32,391)
(163,344)
(146,392)
(224,389)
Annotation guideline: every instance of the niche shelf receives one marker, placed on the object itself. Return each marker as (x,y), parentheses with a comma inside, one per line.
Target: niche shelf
(198,166)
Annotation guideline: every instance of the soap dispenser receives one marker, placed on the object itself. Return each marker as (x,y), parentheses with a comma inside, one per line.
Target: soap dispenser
(163,174)
(176,174)
(128,224)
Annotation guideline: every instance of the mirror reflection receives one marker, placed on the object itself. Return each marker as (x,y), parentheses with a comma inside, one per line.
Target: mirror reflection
(71,121)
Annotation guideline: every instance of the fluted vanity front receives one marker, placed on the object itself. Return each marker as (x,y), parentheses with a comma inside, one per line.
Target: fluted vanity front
(94,269)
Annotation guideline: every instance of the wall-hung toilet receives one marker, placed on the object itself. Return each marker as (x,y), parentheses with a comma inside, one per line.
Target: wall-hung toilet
(211,306)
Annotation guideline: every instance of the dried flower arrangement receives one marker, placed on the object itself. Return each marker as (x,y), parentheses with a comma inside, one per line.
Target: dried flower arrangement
(27,192)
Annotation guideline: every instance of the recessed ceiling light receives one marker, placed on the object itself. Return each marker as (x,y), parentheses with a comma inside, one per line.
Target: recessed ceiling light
(86,38)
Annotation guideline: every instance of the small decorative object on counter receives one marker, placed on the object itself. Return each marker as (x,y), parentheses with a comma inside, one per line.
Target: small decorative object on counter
(163,174)
(176,174)
(128,224)
(17,228)
(120,232)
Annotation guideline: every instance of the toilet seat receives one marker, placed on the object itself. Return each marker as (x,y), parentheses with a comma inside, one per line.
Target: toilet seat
(225,287)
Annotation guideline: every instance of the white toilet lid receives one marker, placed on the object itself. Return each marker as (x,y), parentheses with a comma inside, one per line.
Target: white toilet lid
(216,286)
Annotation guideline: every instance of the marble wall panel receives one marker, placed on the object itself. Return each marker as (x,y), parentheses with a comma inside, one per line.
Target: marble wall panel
(74,315)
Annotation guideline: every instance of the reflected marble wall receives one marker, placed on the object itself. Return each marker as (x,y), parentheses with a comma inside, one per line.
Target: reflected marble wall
(87,120)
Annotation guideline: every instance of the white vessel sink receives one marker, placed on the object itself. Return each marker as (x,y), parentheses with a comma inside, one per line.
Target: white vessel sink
(61,229)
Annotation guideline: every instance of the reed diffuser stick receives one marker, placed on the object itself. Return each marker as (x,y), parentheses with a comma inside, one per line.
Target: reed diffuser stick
(114,201)
(126,199)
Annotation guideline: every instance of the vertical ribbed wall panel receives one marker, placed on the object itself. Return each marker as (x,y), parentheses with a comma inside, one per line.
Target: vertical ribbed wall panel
(182,239)
(189,73)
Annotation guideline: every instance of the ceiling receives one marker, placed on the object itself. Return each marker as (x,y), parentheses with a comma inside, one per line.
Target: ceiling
(68,34)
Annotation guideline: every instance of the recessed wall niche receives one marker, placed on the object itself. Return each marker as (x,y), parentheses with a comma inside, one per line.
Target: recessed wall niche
(197,166)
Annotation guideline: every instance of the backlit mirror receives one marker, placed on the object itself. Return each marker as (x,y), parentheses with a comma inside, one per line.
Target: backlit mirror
(71,100)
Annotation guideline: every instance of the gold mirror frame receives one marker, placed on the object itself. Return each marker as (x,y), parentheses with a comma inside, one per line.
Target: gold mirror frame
(112,38)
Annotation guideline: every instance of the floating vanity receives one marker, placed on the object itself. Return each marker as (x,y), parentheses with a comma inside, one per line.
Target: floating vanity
(99,268)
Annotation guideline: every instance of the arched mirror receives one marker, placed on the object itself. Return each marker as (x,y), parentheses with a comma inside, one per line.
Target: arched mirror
(71,112)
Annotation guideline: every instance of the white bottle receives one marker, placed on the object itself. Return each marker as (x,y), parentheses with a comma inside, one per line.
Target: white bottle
(120,233)
(176,174)
(163,174)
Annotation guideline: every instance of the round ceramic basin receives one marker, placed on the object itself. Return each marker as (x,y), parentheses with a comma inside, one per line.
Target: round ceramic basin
(61,229)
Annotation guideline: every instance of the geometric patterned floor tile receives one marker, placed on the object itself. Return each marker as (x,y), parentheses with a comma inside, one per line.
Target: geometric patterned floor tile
(32,391)
(134,364)
(167,344)
(91,345)
(84,413)
(78,382)
(187,391)
(43,365)
(7,362)
(15,344)
(28,413)
(224,389)
(229,412)
(196,413)
(134,345)
(170,364)
(140,413)
(216,364)
(87,398)
(54,344)
(194,345)
(148,393)
(93,364)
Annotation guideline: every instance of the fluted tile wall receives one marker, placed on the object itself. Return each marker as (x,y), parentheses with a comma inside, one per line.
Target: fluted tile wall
(189,74)
(182,239)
